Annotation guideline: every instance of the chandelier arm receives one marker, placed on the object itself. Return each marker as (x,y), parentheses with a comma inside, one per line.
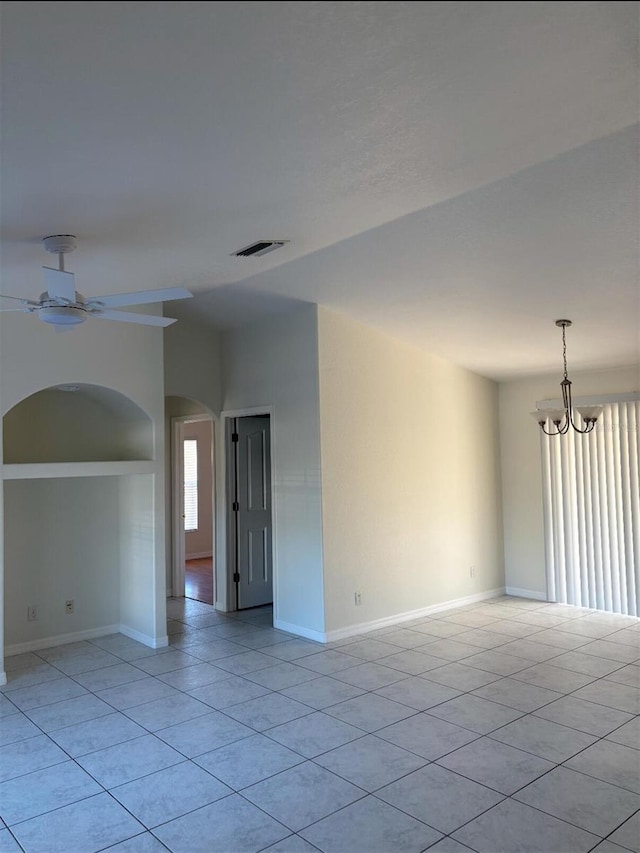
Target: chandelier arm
(546,431)
(561,427)
(589,427)
(569,410)
(566,391)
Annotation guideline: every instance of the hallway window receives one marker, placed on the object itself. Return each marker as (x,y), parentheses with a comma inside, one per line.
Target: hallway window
(190,484)
(592,513)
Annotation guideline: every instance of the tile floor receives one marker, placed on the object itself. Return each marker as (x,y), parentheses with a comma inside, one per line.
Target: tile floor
(510,725)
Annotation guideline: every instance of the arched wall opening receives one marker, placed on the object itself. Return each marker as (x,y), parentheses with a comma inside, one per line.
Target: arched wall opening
(190,524)
(80,521)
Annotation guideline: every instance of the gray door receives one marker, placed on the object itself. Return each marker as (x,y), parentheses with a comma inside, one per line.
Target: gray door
(253,512)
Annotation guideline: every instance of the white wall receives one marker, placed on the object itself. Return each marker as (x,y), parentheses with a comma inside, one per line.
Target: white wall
(121,356)
(522,468)
(128,359)
(193,385)
(141,581)
(192,364)
(410,476)
(275,364)
(45,565)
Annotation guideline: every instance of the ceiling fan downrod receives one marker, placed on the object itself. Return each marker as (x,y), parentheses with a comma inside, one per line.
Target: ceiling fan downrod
(60,245)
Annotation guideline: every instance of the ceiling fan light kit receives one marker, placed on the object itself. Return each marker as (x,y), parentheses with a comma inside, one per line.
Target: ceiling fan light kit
(563,419)
(62,307)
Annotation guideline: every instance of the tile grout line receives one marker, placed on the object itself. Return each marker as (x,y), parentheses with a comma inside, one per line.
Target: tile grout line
(366,733)
(373,691)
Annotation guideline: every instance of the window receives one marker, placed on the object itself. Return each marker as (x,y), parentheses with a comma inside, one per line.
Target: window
(190,484)
(592,513)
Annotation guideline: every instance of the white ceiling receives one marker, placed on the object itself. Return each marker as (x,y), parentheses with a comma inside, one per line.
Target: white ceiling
(459,174)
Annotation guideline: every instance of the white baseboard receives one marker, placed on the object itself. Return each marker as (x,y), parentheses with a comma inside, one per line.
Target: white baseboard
(3,678)
(60,640)
(199,555)
(146,639)
(76,636)
(300,631)
(526,593)
(385,622)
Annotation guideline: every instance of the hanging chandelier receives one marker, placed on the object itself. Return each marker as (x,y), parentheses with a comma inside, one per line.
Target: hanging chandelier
(563,418)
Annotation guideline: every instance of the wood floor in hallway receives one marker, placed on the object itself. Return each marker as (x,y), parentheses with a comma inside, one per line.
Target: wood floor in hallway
(198,580)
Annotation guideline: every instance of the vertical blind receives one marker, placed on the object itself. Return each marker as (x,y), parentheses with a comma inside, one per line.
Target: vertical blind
(190,484)
(592,513)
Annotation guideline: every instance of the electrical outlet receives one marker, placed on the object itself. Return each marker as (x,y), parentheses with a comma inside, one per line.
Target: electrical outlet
(472,571)
(68,607)
(357,597)
(32,613)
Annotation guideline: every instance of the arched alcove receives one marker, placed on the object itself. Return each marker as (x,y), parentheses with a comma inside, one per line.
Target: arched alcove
(76,423)
(81,517)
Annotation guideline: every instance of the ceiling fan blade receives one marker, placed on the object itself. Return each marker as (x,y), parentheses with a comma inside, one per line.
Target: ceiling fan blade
(59,284)
(142,297)
(131,317)
(16,299)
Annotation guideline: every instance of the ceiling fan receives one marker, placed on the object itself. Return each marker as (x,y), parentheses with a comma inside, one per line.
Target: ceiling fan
(63,307)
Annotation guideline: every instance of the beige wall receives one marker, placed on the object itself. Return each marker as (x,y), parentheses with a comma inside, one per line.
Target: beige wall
(522,469)
(410,476)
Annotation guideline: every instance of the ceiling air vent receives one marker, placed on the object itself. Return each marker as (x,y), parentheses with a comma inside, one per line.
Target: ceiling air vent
(262,247)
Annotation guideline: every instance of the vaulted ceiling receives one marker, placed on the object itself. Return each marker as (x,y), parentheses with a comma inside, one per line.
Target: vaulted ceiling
(457,174)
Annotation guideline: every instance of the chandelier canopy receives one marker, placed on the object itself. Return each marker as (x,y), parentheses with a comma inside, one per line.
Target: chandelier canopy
(563,418)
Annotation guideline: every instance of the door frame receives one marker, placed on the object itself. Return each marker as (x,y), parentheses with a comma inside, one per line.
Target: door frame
(225,564)
(177,500)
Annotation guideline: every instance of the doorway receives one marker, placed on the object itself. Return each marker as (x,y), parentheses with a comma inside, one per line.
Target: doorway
(193,508)
(249,510)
